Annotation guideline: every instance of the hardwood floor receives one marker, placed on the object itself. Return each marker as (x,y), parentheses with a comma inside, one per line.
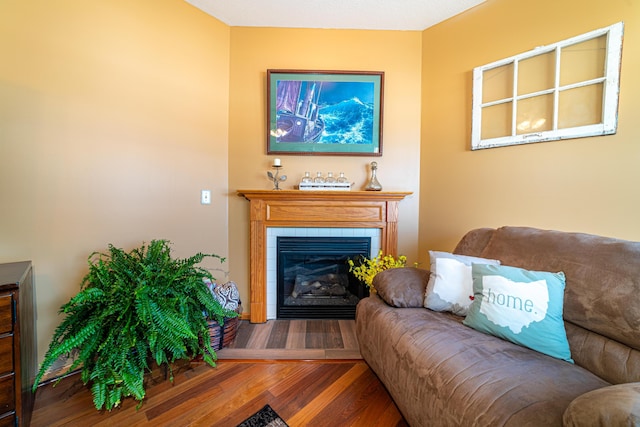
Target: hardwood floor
(303,393)
(326,392)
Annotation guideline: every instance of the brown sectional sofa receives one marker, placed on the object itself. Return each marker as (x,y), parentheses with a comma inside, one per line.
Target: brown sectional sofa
(443,373)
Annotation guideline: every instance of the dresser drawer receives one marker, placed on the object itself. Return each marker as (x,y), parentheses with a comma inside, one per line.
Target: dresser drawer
(6,354)
(6,314)
(7,395)
(8,420)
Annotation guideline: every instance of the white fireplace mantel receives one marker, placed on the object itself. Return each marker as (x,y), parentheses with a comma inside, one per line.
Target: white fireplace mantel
(314,209)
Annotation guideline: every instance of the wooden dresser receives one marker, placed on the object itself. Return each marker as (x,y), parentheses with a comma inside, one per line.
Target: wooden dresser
(18,354)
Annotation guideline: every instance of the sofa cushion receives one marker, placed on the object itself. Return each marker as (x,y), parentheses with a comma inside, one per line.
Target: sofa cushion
(402,287)
(521,306)
(450,287)
(474,241)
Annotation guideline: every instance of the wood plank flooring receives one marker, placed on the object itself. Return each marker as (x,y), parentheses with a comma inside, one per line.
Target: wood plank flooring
(303,393)
(324,392)
(294,339)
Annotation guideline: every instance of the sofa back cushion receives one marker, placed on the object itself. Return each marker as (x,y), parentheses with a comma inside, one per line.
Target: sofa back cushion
(474,242)
(602,303)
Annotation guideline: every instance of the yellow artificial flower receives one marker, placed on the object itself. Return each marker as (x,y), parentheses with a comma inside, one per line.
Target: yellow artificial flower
(369,267)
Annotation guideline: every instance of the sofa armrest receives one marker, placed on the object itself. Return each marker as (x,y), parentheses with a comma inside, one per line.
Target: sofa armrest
(616,405)
(402,287)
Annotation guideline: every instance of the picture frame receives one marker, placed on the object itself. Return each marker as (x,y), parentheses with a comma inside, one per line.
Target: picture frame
(325,112)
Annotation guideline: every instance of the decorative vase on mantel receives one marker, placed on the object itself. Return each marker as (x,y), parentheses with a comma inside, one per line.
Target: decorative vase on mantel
(373,184)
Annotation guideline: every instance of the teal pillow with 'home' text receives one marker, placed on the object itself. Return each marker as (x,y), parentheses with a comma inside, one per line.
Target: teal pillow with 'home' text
(521,306)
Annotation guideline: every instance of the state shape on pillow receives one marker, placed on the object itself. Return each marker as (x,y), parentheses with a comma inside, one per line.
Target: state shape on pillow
(450,286)
(526,302)
(521,306)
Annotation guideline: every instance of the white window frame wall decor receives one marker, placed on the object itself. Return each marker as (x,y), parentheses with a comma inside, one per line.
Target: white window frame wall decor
(516,108)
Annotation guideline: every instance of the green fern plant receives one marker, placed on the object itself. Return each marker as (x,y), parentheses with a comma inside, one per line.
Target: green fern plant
(134,307)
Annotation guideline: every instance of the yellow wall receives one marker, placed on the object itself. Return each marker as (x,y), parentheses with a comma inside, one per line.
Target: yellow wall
(587,185)
(253,51)
(113,117)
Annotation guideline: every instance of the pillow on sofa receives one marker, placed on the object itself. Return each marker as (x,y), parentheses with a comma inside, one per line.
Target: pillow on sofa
(401,287)
(521,306)
(450,287)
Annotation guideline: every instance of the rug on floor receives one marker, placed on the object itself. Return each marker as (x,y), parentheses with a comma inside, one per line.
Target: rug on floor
(265,417)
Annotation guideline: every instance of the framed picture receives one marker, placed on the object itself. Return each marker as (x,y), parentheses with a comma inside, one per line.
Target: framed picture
(324,112)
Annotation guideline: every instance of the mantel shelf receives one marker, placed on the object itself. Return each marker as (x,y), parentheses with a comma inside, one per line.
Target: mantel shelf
(323,195)
(302,208)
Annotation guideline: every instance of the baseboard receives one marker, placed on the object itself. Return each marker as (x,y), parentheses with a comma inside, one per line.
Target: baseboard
(58,370)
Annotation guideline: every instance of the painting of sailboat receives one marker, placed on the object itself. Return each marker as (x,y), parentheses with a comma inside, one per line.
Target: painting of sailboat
(298,118)
(319,113)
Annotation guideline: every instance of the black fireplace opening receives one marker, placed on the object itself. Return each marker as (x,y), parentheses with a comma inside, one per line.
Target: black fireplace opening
(313,279)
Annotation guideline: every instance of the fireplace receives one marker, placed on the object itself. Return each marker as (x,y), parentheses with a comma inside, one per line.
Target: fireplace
(313,279)
(311,210)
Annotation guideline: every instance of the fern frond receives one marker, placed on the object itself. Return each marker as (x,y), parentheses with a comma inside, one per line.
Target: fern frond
(99,391)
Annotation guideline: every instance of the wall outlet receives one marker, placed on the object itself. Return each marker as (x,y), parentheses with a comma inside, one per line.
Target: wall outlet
(205,197)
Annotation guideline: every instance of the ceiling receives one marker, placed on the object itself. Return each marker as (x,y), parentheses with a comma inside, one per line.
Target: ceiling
(412,15)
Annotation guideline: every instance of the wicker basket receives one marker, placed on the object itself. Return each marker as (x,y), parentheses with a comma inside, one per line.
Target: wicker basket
(222,336)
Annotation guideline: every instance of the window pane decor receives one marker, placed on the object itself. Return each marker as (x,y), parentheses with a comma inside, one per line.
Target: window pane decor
(324,112)
(565,90)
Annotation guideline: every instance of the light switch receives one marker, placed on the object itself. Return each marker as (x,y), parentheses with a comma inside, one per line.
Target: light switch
(205,197)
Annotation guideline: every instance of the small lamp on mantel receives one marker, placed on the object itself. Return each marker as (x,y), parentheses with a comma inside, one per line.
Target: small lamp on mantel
(277,165)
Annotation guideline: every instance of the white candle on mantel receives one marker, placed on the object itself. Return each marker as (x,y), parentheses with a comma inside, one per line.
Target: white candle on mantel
(276,162)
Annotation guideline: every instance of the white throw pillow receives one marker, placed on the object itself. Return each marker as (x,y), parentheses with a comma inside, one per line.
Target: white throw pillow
(450,286)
